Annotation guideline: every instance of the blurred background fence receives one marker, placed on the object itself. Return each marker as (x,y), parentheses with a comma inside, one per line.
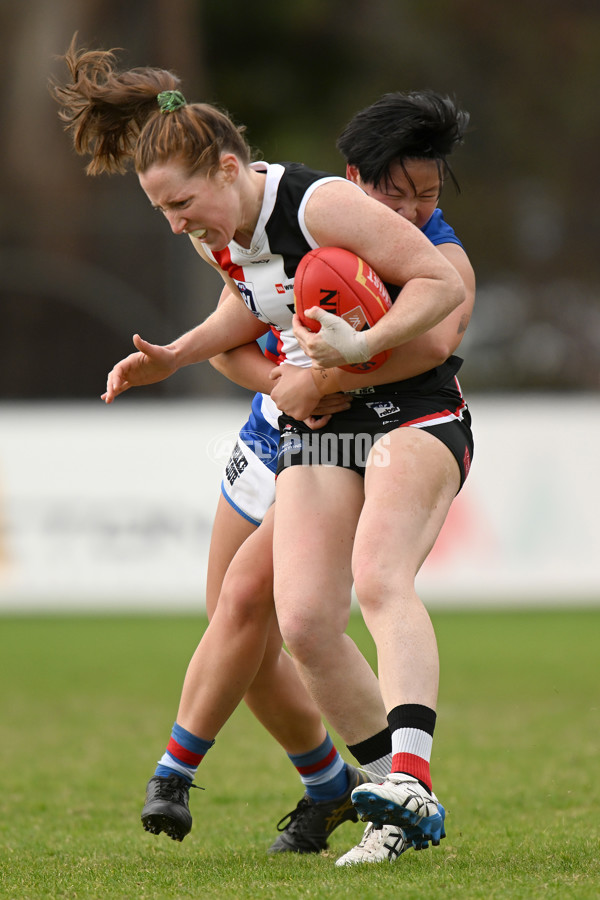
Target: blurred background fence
(84,264)
(111,508)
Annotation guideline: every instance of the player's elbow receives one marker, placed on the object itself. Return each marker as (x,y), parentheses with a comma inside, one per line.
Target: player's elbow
(434,349)
(440,350)
(455,290)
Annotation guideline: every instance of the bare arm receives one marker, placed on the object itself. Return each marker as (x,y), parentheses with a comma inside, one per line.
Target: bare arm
(339,215)
(230,325)
(246,366)
(443,340)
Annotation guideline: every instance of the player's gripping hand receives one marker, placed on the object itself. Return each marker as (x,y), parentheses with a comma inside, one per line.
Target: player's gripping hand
(336,344)
(295,393)
(150,364)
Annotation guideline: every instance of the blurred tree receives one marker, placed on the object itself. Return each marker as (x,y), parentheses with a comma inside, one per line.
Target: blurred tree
(529,214)
(83,265)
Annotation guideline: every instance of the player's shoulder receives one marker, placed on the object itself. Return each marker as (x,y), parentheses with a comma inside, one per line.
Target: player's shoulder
(438,231)
(296,171)
(297,178)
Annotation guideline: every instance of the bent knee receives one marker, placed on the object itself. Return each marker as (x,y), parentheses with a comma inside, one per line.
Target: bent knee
(297,638)
(302,636)
(247,598)
(375,582)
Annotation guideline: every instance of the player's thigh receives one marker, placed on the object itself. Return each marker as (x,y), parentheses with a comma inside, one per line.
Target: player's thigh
(408,492)
(316,512)
(229,532)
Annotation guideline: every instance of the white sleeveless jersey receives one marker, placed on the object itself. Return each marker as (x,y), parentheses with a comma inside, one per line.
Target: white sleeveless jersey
(264,273)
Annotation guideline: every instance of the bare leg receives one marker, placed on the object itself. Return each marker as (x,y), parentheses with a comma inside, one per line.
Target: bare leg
(229,532)
(241,654)
(241,650)
(281,703)
(405,507)
(317,509)
(230,653)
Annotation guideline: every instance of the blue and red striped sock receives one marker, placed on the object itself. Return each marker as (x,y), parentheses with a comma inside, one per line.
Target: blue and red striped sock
(323,771)
(412,727)
(185,751)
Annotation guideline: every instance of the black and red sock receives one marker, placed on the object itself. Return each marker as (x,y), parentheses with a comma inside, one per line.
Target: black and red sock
(412,727)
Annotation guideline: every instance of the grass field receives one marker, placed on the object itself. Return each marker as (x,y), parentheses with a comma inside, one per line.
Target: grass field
(86,707)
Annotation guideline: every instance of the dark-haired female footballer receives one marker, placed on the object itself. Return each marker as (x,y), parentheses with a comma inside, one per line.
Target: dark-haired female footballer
(376,520)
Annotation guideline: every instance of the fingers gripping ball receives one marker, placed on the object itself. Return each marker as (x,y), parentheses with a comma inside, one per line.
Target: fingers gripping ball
(342,283)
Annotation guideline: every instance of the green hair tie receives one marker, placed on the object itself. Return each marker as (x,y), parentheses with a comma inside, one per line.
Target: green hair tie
(169,101)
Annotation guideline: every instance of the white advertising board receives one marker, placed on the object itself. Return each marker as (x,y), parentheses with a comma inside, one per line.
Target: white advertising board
(111,508)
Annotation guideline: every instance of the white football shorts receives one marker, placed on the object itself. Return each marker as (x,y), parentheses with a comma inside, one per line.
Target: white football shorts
(248,482)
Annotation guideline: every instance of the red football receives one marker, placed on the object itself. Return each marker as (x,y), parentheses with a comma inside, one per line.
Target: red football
(341,283)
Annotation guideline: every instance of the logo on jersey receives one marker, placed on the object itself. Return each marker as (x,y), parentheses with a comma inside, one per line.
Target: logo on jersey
(282,288)
(246,289)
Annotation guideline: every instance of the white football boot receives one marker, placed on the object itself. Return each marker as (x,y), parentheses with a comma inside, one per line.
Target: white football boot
(402,801)
(378,844)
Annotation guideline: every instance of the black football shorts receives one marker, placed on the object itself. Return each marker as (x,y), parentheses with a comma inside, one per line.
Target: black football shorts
(349,436)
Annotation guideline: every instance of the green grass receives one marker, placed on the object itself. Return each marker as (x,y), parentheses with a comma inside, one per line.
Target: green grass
(86,707)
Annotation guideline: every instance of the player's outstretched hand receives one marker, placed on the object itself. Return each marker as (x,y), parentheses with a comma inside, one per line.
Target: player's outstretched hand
(151,363)
(335,344)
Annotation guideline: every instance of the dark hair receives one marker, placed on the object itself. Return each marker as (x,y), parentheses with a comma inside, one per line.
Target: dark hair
(114,117)
(400,127)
